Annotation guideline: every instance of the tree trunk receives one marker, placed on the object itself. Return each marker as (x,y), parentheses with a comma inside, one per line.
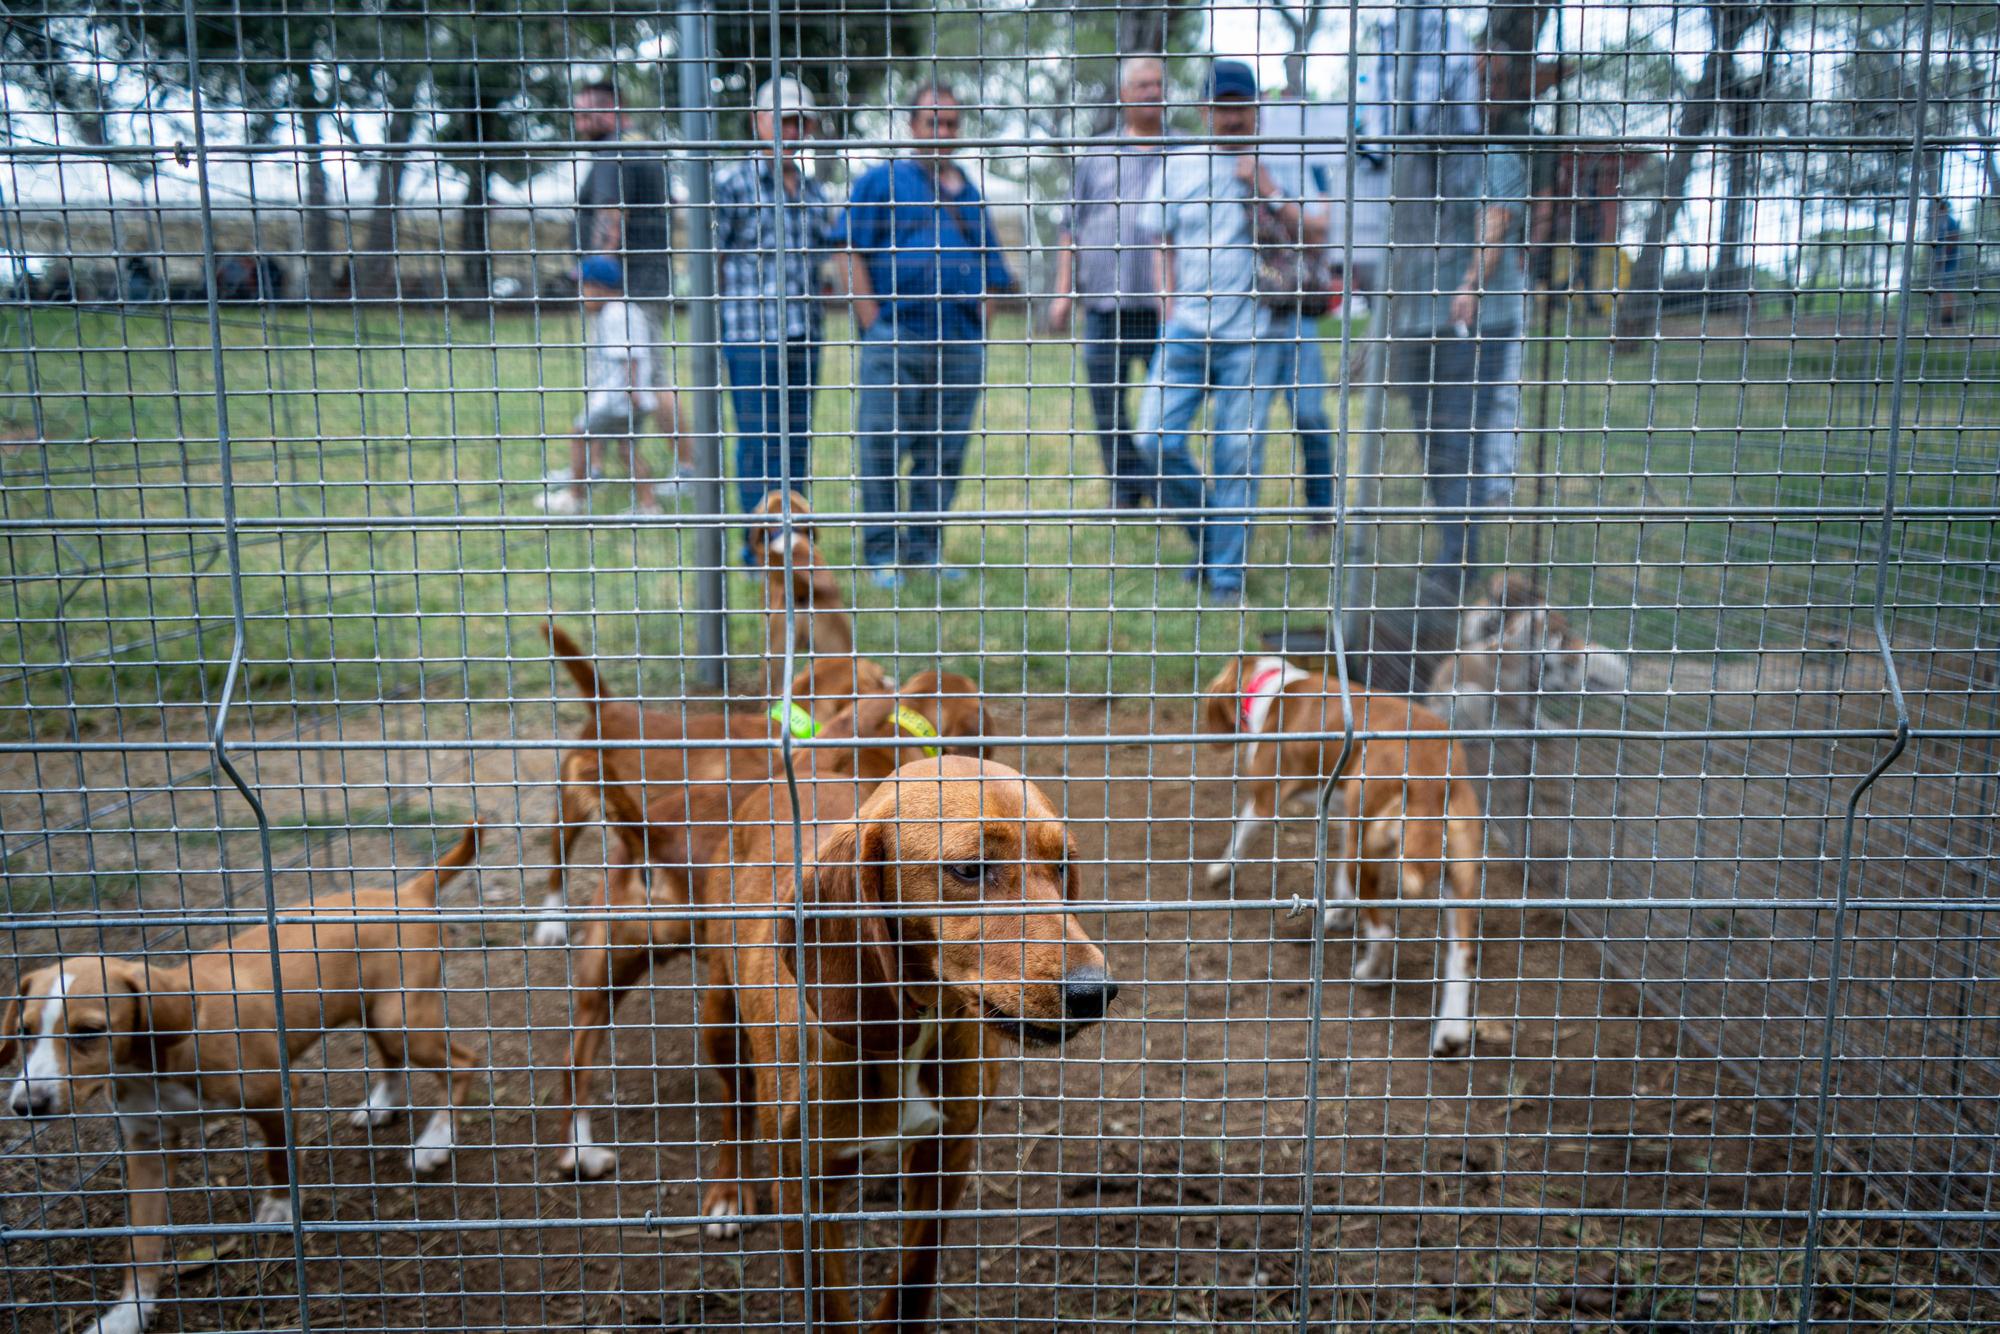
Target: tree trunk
(476,281)
(1730,277)
(318,227)
(1639,306)
(1734,272)
(377,271)
(1142,28)
(1303,30)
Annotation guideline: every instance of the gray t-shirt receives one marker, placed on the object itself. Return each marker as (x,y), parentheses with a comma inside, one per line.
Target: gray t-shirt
(1112,224)
(1205,219)
(617,178)
(1434,248)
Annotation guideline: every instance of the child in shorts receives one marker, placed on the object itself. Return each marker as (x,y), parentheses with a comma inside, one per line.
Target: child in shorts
(621,357)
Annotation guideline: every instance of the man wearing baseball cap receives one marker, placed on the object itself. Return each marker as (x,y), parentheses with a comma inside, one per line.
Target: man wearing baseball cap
(1210,193)
(769,281)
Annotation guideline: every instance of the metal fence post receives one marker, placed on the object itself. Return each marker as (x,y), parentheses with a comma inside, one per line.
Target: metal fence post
(233,677)
(698,127)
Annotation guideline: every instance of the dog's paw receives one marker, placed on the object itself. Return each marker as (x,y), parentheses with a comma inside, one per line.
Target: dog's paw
(1219,871)
(587,1162)
(275,1209)
(372,1114)
(429,1157)
(1451,1035)
(552,931)
(432,1149)
(1338,919)
(721,1231)
(127,1317)
(1376,967)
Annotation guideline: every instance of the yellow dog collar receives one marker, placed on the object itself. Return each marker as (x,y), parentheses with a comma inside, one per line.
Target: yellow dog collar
(795,720)
(916,724)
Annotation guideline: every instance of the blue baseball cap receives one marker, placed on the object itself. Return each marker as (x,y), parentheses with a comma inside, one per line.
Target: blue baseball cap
(1231,78)
(602,271)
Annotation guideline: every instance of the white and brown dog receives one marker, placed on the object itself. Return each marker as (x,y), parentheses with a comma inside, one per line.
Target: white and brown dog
(170,1042)
(1514,654)
(1412,819)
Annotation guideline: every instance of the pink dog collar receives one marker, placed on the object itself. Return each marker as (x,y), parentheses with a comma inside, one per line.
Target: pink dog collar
(1259,686)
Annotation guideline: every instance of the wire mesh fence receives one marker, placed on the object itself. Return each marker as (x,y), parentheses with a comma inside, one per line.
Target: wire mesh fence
(1416,745)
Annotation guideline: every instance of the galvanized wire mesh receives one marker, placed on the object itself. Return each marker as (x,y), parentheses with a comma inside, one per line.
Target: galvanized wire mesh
(295,353)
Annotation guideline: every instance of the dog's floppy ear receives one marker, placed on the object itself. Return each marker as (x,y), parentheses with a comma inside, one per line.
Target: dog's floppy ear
(164,999)
(848,963)
(1218,712)
(10,1021)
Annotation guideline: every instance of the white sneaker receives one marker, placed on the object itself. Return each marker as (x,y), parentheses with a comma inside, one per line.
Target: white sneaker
(671,490)
(558,477)
(558,500)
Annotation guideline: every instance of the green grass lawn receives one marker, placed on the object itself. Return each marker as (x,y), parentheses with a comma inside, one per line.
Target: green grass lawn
(423,412)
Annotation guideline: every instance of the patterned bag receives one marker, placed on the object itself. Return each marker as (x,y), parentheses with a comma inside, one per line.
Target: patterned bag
(1291,274)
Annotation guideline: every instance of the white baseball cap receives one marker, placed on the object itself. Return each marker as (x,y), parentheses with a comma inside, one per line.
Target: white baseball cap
(785,95)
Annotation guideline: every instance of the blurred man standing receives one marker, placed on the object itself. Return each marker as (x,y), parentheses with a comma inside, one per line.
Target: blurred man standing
(1106,264)
(772,322)
(1210,195)
(923,263)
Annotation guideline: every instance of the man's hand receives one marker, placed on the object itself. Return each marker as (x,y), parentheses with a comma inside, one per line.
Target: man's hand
(1251,172)
(1465,307)
(1059,313)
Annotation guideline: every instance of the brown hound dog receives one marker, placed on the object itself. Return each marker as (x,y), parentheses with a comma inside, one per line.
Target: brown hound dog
(1411,812)
(675,830)
(586,769)
(908,1016)
(202,1038)
(821,628)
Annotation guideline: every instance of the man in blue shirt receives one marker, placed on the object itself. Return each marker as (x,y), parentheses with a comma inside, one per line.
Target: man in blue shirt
(922,261)
(1210,193)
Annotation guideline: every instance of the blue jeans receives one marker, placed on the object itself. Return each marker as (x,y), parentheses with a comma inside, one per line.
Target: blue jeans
(1189,370)
(916,402)
(1290,366)
(755,394)
(1465,406)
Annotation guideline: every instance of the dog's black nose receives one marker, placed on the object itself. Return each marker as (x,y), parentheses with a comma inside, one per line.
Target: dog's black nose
(30,1102)
(1087,994)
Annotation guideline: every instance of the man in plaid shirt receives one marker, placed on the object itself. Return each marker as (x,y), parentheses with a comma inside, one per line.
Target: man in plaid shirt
(771,347)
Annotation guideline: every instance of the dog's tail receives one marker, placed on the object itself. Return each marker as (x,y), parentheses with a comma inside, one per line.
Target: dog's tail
(581,668)
(422,891)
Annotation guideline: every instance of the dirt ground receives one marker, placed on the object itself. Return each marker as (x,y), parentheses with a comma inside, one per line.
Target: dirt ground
(1584,1167)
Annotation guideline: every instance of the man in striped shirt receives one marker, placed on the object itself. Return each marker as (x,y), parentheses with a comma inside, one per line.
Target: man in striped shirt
(771,316)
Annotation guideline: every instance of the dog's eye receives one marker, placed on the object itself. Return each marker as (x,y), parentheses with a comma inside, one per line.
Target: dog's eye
(85,1035)
(969,873)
